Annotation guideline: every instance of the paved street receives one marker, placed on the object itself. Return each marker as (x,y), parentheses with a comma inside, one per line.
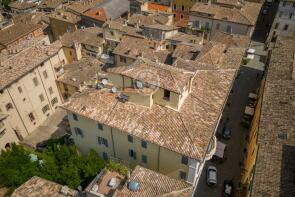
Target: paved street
(53,127)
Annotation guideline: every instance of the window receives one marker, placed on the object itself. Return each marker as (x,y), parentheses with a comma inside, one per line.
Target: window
(41,97)
(31,117)
(197,24)
(130,138)
(228,29)
(184,160)
(71,54)
(182,175)
(2,133)
(143,144)
(218,26)
(45,109)
(276,25)
(54,101)
(290,15)
(100,127)
(182,7)
(144,159)
(78,131)
(166,95)
(122,59)
(9,106)
(20,90)
(132,153)
(174,6)
(280,14)
(35,81)
(207,25)
(105,156)
(181,16)
(75,117)
(50,90)
(103,141)
(45,75)
(286,27)
(112,33)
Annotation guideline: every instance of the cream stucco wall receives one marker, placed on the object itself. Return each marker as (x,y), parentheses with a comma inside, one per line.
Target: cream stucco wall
(7,135)
(118,62)
(26,98)
(236,28)
(159,158)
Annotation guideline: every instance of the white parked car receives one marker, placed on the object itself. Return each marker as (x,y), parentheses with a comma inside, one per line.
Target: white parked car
(211,175)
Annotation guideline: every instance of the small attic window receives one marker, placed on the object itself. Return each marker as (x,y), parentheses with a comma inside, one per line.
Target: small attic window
(97,13)
(283,136)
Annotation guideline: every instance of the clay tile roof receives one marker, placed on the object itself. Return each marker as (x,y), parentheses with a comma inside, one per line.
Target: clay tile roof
(153,184)
(169,78)
(37,186)
(275,163)
(22,5)
(211,53)
(51,3)
(129,47)
(81,6)
(247,14)
(97,14)
(186,132)
(186,51)
(15,32)
(232,40)
(83,71)
(25,61)
(157,7)
(90,36)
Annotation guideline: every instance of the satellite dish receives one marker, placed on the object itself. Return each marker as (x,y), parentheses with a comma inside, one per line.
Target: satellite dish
(104,81)
(139,84)
(114,89)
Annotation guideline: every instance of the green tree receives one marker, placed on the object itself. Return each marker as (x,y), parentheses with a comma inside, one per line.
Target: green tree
(16,167)
(58,163)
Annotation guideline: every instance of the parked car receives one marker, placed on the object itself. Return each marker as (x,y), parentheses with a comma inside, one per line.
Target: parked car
(211,175)
(228,187)
(226,133)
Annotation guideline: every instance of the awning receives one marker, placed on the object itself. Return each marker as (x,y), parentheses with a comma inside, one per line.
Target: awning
(249,111)
(252,96)
(251,50)
(220,149)
(250,56)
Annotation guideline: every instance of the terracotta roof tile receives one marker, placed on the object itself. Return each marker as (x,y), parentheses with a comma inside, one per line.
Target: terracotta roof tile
(187,132)
(152,184)
(37,186)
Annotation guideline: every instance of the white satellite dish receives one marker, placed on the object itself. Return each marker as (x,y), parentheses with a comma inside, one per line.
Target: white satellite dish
(114,89)
(139,84)
(104,81)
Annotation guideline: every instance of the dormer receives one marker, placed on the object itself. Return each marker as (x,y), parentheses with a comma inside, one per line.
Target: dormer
(147,83)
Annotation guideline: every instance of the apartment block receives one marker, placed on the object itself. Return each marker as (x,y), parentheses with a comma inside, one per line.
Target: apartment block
(128,51)
(28,90)
(231,17)
(161,125)
(86,42)
(284,22)
(78,75)
(62,22)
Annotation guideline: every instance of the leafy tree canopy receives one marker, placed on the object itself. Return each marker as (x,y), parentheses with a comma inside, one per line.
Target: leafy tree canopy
(58,163)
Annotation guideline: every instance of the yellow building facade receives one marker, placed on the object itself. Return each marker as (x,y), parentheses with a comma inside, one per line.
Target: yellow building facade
(252,146)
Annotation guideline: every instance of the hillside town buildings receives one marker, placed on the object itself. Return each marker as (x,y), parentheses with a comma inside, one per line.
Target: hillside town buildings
(150,84)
